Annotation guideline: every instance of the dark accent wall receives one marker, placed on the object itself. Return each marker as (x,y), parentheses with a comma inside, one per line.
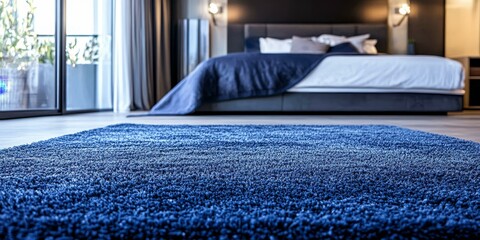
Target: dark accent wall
(307,11)
(301,11)
(426,24)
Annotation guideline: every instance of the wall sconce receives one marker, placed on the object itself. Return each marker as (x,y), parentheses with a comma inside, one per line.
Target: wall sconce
(214,9)
(403,10)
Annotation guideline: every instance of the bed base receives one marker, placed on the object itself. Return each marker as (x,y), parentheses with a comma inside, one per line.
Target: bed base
(340,103)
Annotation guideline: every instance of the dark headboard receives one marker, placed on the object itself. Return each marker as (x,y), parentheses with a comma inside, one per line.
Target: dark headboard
(376,31)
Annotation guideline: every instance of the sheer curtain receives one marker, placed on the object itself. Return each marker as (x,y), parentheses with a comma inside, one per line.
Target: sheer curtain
(104,73)
(142,56)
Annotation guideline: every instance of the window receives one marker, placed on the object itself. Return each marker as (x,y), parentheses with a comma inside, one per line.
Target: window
(89,54)
(31,35)
(27,55)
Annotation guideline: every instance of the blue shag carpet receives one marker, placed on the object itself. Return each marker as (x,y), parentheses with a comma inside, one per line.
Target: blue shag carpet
(236,182)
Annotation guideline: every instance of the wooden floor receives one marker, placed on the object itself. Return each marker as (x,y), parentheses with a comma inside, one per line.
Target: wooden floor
(28,130)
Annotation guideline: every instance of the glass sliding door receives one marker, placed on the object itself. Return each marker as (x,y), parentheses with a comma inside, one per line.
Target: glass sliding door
(27,56)
(88,55)
(55,57)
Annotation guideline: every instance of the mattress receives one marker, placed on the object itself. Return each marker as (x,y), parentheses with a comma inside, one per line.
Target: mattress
(374,90)
(388,73)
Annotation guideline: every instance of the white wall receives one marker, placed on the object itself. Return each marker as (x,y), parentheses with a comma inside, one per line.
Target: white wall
(199,9)
(462,33)
(398,36)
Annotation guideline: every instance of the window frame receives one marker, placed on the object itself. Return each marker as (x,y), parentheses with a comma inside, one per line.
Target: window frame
(60,72)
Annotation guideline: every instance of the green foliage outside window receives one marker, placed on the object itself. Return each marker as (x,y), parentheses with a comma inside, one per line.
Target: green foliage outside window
(20,45)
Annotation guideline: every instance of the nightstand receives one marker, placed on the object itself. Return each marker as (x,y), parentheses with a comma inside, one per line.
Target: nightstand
(472,82)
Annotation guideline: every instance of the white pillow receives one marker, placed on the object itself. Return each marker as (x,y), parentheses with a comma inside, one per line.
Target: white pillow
(358,42)
(369,46)
(333,40)
(272,45)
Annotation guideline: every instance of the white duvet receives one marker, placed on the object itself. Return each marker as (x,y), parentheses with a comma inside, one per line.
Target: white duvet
(388,72)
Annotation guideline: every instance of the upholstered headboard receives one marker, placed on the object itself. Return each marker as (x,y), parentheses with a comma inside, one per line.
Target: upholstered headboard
(376,31)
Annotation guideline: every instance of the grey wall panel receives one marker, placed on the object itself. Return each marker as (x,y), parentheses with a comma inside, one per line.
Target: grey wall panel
(344,30)
(301,30)
(377,31)
(235,37)
(259,30)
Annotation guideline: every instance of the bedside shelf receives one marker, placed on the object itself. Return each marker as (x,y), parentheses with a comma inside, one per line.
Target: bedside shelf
(472,82)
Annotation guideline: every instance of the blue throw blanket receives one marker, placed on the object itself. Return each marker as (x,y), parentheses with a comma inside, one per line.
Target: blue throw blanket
(234,76)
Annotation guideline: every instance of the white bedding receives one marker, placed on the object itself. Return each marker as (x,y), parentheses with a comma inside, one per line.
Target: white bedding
(374,90)
(396,73)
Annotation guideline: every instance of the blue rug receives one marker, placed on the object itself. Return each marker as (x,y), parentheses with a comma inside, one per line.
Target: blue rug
(235,182)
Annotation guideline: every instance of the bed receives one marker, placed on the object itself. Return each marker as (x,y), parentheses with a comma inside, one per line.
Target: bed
(317,83)
(338,99)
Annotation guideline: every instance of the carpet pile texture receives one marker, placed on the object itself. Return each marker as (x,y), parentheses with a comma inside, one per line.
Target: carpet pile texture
(236,182)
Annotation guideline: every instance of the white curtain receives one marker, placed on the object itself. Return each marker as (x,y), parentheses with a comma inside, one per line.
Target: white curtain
(142,53)
(122,73)
(104,74)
